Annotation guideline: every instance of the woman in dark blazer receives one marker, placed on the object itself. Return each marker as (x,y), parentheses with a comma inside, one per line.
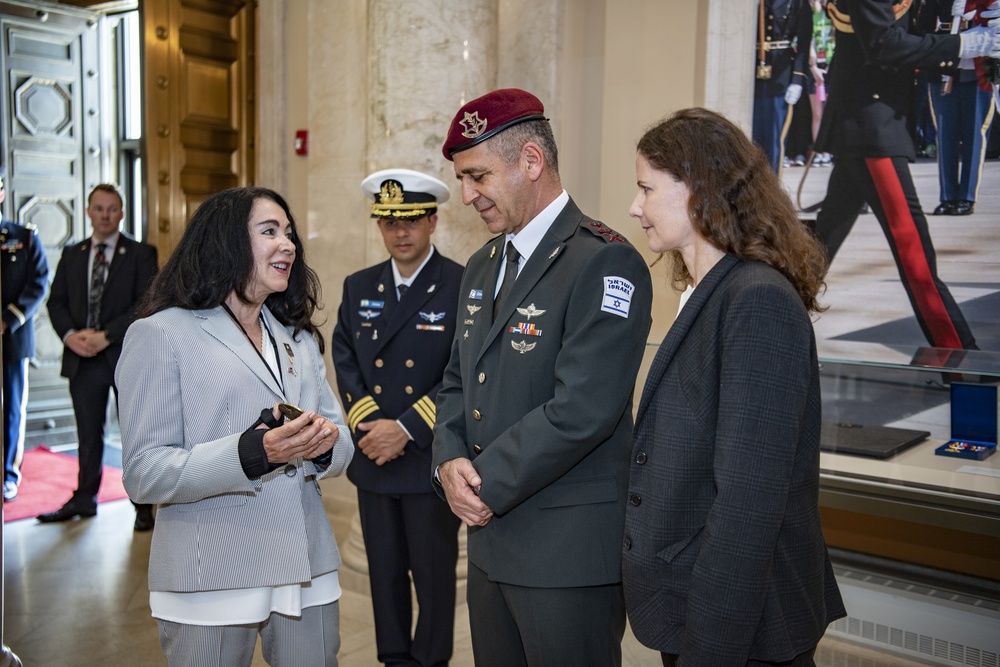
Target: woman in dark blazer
(242,544)
(724,561)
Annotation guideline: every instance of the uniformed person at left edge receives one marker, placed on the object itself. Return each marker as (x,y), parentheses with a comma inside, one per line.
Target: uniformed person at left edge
(391,344)
(25,281)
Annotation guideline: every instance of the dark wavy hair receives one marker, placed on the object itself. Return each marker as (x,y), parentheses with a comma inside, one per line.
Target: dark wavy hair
(737,202)
(215,258)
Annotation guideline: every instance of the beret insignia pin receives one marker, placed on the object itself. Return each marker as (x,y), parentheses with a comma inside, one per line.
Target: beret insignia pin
(474,126)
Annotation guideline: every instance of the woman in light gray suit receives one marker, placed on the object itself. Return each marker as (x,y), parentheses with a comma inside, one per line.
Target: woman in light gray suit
(242,544)
(724,562)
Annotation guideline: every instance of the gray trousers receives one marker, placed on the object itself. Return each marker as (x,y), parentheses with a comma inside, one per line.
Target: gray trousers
(310,641)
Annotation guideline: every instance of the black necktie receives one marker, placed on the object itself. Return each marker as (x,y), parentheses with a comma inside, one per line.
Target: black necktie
(97,286)
(509,276)
(402,290)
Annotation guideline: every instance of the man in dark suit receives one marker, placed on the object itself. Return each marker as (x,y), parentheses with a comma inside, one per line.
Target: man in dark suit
(96,290)
(390,346)
(535,412)
(784,31)
(870,87)
(25,280)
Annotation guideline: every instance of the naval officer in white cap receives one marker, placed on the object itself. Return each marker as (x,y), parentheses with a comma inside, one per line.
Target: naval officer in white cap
(390,347)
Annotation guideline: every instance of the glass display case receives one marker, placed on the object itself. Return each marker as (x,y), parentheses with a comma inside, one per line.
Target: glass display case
(885,489)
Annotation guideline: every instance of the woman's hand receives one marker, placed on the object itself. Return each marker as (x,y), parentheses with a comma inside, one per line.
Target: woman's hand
(307,436)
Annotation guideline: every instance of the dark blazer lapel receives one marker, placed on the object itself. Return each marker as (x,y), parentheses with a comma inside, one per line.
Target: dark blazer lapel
(122,256)
(544,256)
(79,279)
(680,328)
(493,269)
(419,293)
(221,327)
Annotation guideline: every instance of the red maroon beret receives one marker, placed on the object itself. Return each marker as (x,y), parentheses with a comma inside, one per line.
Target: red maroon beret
(488,115)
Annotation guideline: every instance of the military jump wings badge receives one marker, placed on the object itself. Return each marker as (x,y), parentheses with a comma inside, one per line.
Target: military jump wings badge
(473,309)
(531,311)
(523,346)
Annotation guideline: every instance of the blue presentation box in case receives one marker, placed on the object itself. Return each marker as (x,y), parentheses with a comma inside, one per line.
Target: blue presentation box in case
(973,422)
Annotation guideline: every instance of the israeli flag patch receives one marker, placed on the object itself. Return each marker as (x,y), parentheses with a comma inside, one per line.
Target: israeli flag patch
(617,296)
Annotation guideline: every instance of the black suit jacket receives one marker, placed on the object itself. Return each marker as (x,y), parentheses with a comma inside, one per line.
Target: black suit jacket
(25,280)
(540,400)
(389,357)
(131,271)
(724,557)
(870,84)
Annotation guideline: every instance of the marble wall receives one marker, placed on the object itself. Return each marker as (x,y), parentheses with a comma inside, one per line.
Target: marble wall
(376,82)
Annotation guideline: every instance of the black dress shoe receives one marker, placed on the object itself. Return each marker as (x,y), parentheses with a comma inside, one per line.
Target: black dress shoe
(9,491)
(963,208)
(144,519)
(945,208)
(67,512)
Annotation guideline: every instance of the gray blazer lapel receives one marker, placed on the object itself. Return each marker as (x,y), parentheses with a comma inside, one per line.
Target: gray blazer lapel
(219,325)
(679,330)
(291,367)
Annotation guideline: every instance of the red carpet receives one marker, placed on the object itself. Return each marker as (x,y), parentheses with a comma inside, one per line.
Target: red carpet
(48,479)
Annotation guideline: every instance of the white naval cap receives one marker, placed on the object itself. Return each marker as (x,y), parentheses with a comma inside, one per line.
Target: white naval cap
(404,193)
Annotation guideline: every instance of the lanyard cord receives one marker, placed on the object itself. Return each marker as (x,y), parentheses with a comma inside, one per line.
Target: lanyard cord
(274,345)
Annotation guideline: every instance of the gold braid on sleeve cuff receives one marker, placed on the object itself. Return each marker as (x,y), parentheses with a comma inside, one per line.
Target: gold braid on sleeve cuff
(364,407)
(425,408)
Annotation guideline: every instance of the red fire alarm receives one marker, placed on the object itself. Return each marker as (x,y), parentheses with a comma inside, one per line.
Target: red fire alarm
(302,142)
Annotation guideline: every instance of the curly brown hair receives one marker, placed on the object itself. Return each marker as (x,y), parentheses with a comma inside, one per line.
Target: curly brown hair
(737,202)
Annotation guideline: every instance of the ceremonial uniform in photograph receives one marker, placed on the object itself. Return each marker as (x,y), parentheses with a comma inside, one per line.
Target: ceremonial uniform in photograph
(25,281)
(963,111)
(870,90)
(782,57)
(389,351)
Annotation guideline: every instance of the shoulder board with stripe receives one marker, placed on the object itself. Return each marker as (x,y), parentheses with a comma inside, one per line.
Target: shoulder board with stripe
(842,20)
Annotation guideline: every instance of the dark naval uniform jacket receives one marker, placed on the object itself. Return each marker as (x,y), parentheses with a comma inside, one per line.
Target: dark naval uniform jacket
(389,357)
(871,78)
(786,22)
(540,400)
(25,280)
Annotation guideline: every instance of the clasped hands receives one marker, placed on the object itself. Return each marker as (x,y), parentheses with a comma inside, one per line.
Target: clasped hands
(87,343)
(461,484)
(309,436)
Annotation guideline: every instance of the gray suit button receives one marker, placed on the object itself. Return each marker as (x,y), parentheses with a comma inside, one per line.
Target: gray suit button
(627,544)
(290,470)
(635,499)
(478,449)
(640,458)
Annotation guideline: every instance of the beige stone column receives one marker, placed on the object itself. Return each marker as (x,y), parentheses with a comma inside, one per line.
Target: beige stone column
(425,59)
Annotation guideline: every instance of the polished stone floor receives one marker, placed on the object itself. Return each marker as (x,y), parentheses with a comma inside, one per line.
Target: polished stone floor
(75,595)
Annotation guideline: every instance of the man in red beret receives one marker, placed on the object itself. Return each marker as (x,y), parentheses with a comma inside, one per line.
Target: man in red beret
(534,416)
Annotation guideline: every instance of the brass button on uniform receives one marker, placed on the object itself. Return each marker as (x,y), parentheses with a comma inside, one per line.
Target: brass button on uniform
(875,96)
(409,389)
(477,415)
(409,363)
(379,363)
(482,378)
(478,449)
(378,389)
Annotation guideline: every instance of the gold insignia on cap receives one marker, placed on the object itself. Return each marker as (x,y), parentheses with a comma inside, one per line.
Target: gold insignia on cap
(392,193)
(474,126)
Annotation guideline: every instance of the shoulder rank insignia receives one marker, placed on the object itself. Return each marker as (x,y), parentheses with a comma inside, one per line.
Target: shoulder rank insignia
(601,229)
